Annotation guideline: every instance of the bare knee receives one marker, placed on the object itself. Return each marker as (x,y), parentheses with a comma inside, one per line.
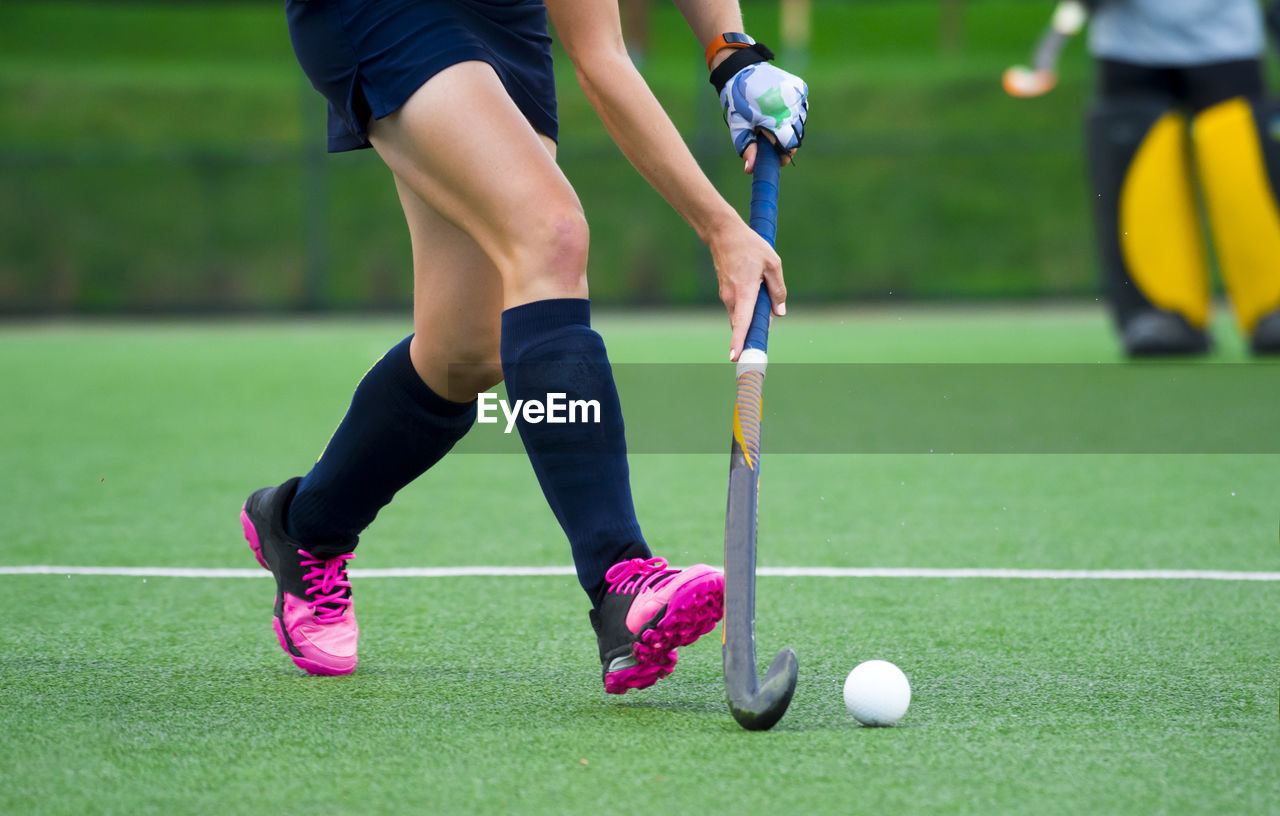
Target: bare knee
(473,365)
(550,256)
(468,378)
(458,369)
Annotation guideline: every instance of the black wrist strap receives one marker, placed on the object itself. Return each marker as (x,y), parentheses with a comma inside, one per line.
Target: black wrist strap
(738,60)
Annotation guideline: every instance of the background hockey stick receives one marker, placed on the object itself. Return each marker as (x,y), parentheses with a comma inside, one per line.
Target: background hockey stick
(755,705)
(1068,18)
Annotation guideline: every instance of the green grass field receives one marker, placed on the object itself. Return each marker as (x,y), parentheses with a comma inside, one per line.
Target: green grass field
(133,445)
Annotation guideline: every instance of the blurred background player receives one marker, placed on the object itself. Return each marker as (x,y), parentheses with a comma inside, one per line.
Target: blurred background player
(1180,105)
(458,100)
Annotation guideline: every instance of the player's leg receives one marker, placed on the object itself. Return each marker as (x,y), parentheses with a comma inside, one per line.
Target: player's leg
(1148,227)
(495,180)
(1237,144)
(362,60)
(457,304)
(419,399)
(406,413)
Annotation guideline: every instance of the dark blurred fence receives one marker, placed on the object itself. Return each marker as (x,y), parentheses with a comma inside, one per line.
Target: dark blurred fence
(169,157)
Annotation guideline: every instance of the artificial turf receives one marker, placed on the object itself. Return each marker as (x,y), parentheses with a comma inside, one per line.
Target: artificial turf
(134,444)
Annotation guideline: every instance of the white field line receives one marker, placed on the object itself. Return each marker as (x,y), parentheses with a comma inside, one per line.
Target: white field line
(772,572)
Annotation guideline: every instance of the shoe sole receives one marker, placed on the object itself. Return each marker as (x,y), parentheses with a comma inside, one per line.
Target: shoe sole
(693,611)
(309,666)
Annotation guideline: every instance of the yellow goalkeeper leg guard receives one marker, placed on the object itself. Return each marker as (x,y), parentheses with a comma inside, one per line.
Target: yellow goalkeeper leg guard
(1237,147)
(1149,237)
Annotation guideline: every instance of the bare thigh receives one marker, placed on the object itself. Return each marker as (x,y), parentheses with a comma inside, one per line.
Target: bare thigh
(461,146)
(457,304)
(458,299)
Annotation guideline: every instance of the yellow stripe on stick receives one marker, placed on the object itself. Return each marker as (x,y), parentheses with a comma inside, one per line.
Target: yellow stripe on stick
(747,411)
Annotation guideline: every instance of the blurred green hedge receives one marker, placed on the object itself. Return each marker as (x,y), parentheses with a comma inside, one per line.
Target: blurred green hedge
(158,157)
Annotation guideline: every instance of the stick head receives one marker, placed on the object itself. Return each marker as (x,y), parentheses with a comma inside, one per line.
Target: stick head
(760,710)
(1028,83)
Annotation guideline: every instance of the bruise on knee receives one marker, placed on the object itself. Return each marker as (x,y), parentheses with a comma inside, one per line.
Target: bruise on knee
(550,257)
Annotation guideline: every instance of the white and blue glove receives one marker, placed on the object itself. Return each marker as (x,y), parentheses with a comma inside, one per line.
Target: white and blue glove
(755,95)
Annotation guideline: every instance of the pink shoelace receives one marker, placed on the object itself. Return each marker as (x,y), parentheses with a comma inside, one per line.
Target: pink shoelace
(634,576)
(329,585)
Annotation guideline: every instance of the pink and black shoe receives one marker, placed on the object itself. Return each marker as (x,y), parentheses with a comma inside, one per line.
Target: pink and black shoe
(314,617)
(647,612)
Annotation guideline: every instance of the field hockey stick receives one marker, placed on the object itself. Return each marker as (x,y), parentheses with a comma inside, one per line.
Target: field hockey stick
(755,705)
(1020,81)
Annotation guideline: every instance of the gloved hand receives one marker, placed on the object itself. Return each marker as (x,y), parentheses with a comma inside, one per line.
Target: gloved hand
(759,95)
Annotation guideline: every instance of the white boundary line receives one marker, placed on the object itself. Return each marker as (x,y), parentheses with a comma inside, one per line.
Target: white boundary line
(776,572)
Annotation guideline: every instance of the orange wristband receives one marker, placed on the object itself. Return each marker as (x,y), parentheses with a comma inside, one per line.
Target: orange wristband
(731,39)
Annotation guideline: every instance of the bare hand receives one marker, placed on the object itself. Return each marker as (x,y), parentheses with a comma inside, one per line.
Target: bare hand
(743,259)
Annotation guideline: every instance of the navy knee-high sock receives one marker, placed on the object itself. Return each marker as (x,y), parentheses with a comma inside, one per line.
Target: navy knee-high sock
(395,429)
(549,347)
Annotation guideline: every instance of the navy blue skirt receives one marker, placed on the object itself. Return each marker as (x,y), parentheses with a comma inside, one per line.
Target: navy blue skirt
(368,56)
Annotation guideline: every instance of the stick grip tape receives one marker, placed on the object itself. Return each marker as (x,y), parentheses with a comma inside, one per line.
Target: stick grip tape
(764,220)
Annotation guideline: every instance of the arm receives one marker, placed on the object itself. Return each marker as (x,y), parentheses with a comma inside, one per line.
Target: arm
(592,35)
(709,19)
